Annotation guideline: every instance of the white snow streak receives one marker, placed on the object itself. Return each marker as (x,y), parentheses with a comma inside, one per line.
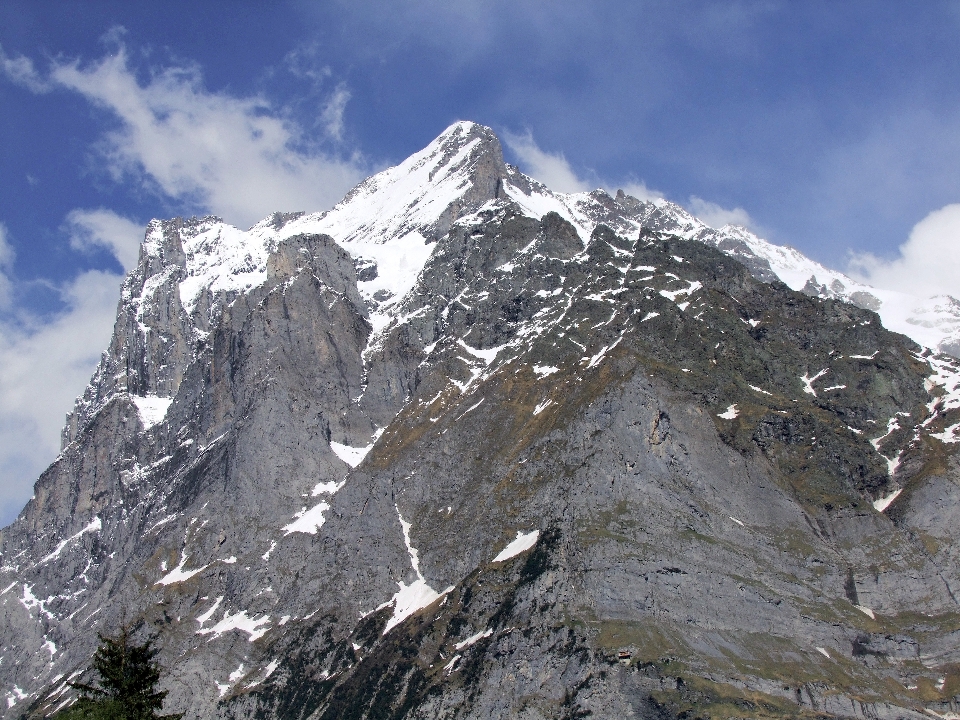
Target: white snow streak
(415,596)
(542,406)
(256,628)
(881,504)
(94,526)
(352,456)
(672,295)
(545,370)
(808,381)
(448,668)
(730,414)
(178,574)
(473,639)
(308,521)
(152,409)
(209,613)
(327,488)
(519,544)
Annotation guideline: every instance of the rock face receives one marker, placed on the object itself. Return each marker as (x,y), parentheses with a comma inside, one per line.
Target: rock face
(464,447)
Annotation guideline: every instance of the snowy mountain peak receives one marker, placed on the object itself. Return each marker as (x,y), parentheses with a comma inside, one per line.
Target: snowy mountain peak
(381,456)
(389,224)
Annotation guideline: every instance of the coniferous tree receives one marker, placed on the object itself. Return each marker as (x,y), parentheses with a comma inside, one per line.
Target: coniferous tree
(127,690)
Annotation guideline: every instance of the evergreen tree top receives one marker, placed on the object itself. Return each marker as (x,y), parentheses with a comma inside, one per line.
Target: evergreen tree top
(127,689)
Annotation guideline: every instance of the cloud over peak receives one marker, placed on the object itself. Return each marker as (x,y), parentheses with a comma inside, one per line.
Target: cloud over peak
(238,157)
(928,262)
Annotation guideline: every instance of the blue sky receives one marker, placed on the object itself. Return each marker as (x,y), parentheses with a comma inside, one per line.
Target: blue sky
(830,126)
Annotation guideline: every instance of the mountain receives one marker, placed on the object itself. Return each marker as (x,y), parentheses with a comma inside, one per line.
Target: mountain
(465,447)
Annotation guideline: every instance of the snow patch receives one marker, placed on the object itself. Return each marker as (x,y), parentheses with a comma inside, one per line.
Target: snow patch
(672,295)
(448,668)
(542,406)
(808,381)
(488,355)
(949,435)
(15,696)
(415,596)
(881,504)
(353,456)
(256,628)
(308,521)
(543,371)
(270,669)
(521,543)
(178,574)
(866,611)
(152,409)
(730,414)
(327,488)
(273,546)
(473,639)
(94,526)
(223,259)
(209,613)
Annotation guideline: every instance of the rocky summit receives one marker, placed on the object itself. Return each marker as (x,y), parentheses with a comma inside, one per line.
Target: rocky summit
(463,447)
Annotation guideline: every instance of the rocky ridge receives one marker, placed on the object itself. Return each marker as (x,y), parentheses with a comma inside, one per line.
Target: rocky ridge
(450,447)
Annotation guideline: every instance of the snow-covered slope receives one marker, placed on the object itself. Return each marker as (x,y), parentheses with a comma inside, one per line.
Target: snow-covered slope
(389,223)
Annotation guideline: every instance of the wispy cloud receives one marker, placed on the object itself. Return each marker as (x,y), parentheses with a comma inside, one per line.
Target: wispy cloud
(22,71)
(238,157)
(717,216)
(332,115)
(928,262)
(7,257)
(639,190)
(554,171)
(104,228)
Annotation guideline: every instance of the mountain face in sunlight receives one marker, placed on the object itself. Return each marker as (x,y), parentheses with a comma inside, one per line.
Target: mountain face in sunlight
(466,447)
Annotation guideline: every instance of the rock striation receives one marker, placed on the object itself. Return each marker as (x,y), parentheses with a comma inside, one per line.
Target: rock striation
(465,447)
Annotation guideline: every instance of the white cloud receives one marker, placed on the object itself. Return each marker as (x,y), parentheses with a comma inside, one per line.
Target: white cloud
(44,364)
(6,268)
(552,170)
(105,228)
(639,190)
(21,71)
(929,261)
(717,216)
(239,158)
(332,115)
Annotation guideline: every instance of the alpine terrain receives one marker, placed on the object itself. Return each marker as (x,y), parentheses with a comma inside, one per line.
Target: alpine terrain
(464,447)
